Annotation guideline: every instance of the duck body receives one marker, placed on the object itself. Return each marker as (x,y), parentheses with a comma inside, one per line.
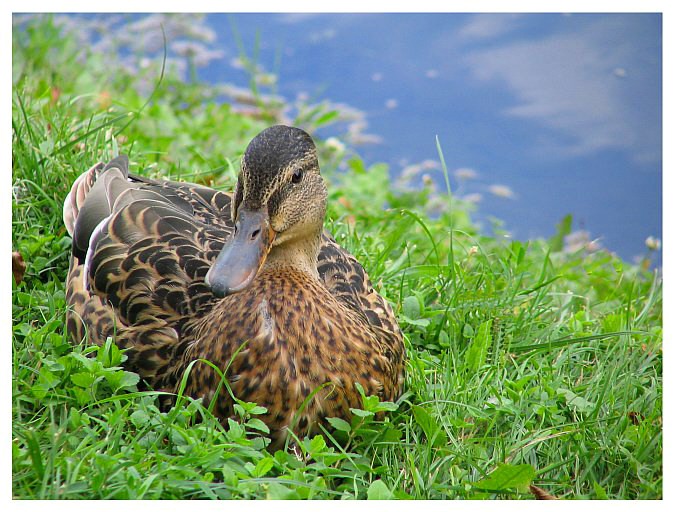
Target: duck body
(248,281)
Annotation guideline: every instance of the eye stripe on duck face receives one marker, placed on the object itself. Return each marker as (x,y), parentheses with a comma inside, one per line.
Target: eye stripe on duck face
(294,173)
(283,189)
(296,201)
(260,188)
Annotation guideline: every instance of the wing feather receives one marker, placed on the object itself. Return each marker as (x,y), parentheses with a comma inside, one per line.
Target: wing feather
(346,278)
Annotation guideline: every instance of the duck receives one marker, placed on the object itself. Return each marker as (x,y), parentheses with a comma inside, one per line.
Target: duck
(246,287)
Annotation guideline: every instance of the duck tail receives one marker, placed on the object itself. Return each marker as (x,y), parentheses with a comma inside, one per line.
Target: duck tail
(78,192)
(89,195)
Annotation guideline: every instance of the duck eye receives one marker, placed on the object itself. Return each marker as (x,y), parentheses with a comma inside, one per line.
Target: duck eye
(297,176)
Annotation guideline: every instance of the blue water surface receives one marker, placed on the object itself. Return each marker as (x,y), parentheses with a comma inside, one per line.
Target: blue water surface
(564,110)
(538,115)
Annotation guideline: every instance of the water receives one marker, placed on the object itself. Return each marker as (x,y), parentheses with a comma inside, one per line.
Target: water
(538,115)
(563,111)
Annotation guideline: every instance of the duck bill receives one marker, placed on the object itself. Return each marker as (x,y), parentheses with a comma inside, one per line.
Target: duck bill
(243,255)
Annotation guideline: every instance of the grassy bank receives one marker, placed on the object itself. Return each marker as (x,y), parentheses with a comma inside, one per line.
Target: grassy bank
(529,363)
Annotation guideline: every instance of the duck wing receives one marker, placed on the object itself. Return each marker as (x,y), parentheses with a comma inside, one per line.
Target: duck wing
(347,280)
(141,250)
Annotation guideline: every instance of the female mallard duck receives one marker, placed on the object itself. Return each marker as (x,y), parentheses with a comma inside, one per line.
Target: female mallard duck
(176,272)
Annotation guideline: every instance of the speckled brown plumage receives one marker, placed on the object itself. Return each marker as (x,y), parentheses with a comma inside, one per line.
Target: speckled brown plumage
(142,251)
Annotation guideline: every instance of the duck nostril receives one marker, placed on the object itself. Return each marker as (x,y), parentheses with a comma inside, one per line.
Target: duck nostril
(255,233)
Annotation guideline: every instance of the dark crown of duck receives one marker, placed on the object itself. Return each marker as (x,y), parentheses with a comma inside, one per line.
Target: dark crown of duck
(279,200)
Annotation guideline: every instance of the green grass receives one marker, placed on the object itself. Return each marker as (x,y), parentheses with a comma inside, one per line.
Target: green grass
(527,364)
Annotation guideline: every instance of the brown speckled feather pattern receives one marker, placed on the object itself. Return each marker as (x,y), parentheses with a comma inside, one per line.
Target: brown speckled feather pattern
(146,263)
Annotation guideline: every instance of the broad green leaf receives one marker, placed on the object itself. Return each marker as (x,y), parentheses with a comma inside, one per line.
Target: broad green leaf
(317,444)
(339,424)
(370,403)
(235,431)
(386,406)
(613,322)
(467,331)
(392,435)
(139,418)
(600,492)
(361,412)
(420,322)
(378,490)
(443,339)
(411,307)
(54,366)
(258,409)
(82,379)
(435,434)
(258,424)
(478,348)
(47,378)
(576,401)
(277,491)
(263,467)
(129,379)
(508,477)
(402,495)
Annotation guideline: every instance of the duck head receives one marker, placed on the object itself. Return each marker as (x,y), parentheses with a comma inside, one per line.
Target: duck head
(278,209)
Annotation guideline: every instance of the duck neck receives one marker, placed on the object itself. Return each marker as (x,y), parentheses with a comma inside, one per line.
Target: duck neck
(297,253)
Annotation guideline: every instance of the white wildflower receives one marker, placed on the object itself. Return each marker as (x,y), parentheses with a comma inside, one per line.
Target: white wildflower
(653,243)
(335,144)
